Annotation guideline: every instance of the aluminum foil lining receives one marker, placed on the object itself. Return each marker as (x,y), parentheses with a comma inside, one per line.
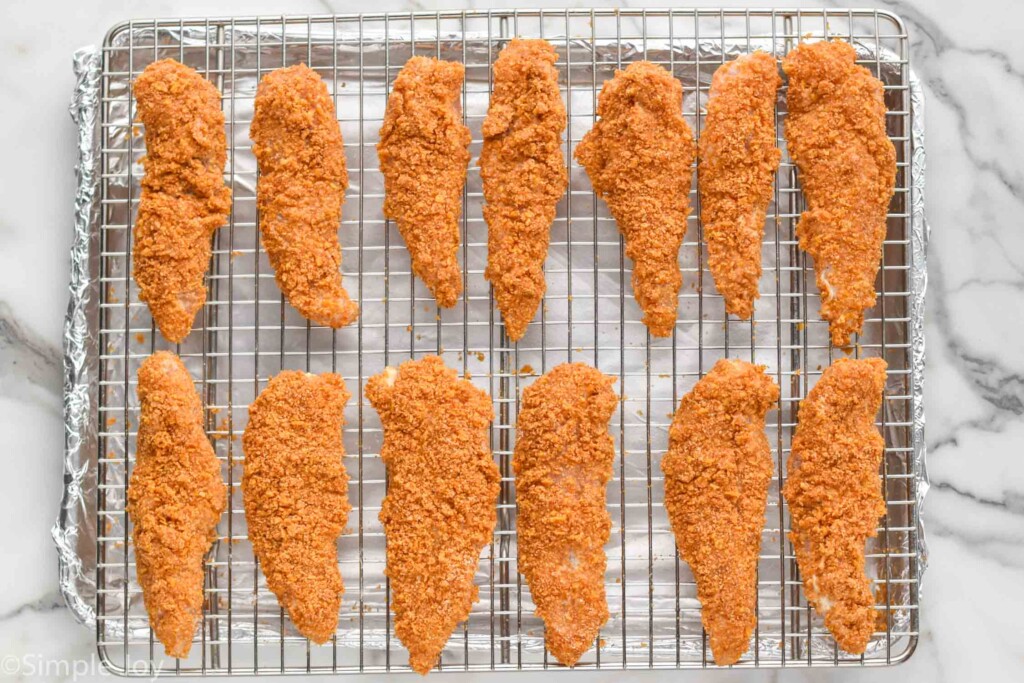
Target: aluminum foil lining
(75,531)
(920,233)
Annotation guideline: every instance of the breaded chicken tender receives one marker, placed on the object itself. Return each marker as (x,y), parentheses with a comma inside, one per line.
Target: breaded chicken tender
(639,158)
(298,145)
(175,498)
(439,511)
(717,471)
(184,199)
(835,132)
(295,491)
(524,175)
(563,461)
(835,496)
(737,163)
(424,154)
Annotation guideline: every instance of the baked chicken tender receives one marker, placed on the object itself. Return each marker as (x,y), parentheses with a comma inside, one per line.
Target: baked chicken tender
(424,154)
(835,132)
(639,157)
(737,163)
(835,496)
(295,491)
(524,175)
(175,498)
(439,511)
(298,145)
(717,472)
(563,462)
(184,199)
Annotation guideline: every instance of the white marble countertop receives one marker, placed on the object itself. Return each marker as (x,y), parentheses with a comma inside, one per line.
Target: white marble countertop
(971,60)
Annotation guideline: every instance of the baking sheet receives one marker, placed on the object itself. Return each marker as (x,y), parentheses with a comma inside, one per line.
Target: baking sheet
(655,614)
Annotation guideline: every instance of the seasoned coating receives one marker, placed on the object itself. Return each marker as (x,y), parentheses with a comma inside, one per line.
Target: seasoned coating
(297,143)
(175,497)
(424,153)
(639,158)
(524,175)
(563,461)
(835,496)
(295,490)
(835,132)
(439,511)
(737,163)
(183,199)
(717,471)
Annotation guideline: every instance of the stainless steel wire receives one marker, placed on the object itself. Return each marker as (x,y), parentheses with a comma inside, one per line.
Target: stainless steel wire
(247,333)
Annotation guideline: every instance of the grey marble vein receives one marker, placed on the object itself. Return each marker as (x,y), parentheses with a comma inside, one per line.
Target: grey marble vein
(25,357)
(47,603)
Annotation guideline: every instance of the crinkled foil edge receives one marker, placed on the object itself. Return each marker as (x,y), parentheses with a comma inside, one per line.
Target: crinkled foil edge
(919,235)
(71,533)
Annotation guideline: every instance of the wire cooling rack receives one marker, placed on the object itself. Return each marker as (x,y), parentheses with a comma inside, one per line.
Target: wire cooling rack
(246,333)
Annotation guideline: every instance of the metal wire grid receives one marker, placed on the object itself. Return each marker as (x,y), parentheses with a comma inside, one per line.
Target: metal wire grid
(247,333)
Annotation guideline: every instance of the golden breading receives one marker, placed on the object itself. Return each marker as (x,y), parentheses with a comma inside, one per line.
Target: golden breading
(424,153)
(175,498)
(738,160)
(717,471)
(295,490)
(563,461)
(835,132)
(183,199)
(835,496)
(639,158)
(297,142)
(439,511)
(524,176)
